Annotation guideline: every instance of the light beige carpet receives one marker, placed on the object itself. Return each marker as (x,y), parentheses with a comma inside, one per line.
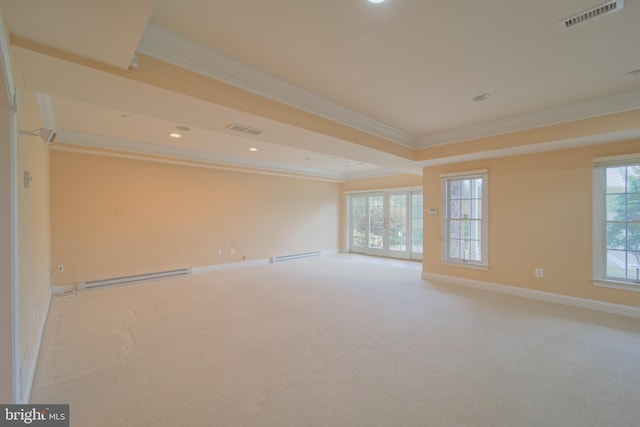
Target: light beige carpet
(333,341)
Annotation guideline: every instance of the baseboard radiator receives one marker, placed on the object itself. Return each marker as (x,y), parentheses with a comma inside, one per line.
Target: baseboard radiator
(282,258)
(133,279)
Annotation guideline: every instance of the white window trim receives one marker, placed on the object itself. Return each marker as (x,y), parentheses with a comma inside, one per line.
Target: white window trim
(466,264)
(444,178)
(598,215)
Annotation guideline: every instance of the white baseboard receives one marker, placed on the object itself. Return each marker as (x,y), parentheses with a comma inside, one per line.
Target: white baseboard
(330,252)
(218,267)
(59,290)
(607,307)
(26,396)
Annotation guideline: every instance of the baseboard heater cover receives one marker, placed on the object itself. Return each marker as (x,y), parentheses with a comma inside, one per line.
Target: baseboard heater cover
(282,258)
(134,278)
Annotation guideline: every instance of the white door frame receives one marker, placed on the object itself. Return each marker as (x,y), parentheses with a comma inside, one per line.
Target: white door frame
(385,251)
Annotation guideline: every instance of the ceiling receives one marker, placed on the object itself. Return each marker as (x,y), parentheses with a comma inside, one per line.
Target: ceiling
(402,71)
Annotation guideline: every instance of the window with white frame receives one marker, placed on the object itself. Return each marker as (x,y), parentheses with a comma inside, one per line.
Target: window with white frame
(465,219)
(616,221)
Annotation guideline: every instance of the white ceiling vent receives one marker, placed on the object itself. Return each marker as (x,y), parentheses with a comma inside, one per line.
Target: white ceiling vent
(245,129)
(594,12)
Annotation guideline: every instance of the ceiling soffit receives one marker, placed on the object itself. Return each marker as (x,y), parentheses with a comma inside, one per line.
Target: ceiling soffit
(168,47)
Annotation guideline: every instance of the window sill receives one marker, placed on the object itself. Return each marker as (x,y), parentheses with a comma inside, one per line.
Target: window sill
(613,284)
(472,265)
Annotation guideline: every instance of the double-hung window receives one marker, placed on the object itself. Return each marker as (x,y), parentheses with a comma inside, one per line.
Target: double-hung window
(465,219)
(616,221)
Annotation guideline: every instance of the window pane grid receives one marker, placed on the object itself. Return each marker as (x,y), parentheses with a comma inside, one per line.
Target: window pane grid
(398,222)
(417,208)
(359,221)
(464,219)
(622,222)
(376,222)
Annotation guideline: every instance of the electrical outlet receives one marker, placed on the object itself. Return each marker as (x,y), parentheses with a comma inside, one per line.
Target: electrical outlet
(539,272)
(232,251)
(219,252)
(60,268)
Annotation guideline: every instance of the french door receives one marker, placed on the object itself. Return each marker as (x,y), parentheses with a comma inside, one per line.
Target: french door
(386,223)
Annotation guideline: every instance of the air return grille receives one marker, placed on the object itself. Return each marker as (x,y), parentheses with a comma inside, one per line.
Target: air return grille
(603,9)
(245,129)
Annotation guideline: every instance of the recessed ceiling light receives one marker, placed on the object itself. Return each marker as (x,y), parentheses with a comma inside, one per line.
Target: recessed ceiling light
(175,135)
(183,128)
(253,149)
(377,1)
(482,97)
(634,73)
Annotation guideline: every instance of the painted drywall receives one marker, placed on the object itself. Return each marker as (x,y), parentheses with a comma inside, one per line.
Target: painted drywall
(34,243)
(114,217)
(539,216)
(7,149)
(154,72)
(6,268)
(383,183)
(594,130)
(371,184)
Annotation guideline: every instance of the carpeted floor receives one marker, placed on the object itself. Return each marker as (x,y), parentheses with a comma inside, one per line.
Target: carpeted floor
(333,341)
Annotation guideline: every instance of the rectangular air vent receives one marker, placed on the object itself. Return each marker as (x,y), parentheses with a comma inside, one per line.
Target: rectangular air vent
(603,9)
(245,129)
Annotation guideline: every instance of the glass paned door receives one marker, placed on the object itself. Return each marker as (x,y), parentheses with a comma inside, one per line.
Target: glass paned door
(397,223)
(377,222)
(417,213)
(386,224)
(359,221)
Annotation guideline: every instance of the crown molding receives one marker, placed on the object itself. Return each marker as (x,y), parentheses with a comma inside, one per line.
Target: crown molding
(380,174)
(5,65)
(140,149)
(553,116)
(168,47)
(171,48)
(565,144)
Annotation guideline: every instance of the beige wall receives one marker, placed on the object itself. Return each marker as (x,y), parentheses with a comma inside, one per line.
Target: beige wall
(383,183)
(115,216)
(602,127)
(6,294)
(539,216)
(7,149)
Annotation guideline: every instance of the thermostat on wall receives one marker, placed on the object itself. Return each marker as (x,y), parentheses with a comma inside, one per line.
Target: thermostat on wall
(433,211)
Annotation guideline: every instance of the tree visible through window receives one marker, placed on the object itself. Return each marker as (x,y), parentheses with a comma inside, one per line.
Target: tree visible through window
(622,222)
(465,219)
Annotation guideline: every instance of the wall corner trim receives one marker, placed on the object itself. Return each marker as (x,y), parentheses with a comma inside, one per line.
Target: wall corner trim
(26,396)
(619,309)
